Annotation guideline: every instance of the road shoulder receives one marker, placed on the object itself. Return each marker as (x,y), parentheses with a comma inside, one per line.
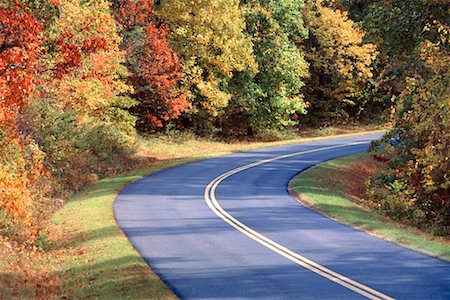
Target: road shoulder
(313,188)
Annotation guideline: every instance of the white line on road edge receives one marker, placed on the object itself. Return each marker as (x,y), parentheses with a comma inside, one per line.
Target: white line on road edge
(214,205)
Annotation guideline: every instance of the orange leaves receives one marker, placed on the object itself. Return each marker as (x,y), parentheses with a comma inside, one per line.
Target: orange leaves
(20,47)
(160,68)
(153,120)
(20,167)
(63,117)
(15,198)
(90,62)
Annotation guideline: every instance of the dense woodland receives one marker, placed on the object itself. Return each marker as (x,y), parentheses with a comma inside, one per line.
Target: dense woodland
(80,79)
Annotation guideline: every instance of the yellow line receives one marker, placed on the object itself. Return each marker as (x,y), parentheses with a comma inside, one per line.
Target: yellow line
(214,205)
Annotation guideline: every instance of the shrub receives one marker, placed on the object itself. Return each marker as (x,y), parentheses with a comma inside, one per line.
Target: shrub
(20,168)
(415,187)
(79,149)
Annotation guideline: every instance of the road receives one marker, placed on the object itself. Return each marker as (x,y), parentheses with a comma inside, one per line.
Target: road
(226,228)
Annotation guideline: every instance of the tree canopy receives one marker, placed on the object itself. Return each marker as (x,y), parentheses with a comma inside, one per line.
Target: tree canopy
(79,80)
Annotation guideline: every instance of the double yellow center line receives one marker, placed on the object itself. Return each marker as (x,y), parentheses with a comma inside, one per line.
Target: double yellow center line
(214,205)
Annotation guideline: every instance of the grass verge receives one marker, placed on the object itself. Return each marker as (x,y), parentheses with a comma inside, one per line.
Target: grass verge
(102,263)
(333,188)
(87,255)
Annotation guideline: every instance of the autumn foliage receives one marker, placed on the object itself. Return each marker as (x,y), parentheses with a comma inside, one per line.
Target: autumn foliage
(415,185)
(155,68)
(341,65)
(159,68)
(80,79)
(209,36)
(21,39)
(60,64)
(131,13)
(20,45)
(412,79)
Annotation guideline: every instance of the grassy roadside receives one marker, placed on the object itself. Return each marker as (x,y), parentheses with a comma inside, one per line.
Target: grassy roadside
(102,262)
(88,256)
(328,188)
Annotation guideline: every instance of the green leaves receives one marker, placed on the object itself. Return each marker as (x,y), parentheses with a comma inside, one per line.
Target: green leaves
(273,93)
(209,36)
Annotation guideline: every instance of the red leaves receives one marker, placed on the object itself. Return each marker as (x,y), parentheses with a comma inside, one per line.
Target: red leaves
(157,73)
(381,158)
(20,47)
(94,44)
(153,120)
(71,58)
(130,13)
(160,67)
(72,53)
(160,64)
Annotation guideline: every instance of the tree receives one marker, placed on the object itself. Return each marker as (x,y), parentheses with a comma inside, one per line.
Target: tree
(132,13)
(87,49)
(209,37)
(412,77)
(340,64)
(421,162)
(156,79)
(403,21)
(271,96)
(155,68)
(20,49)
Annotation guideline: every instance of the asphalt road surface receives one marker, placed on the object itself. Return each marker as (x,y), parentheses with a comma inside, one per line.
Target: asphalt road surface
(226,228)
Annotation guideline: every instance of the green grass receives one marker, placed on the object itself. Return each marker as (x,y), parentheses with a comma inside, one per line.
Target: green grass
(97,260)
(101,263)
(312,188)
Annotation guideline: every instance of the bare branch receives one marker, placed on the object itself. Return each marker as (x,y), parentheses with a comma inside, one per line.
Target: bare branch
(37,70)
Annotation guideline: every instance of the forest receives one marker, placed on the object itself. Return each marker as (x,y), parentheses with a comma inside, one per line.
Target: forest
(82,81)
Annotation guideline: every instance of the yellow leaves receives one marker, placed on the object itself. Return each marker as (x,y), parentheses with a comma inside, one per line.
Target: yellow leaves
(87,20)
(427,123)
(207,86)
(211,90)
(92,87)
(341,43)
(427,178)
(212,28)
(211,35)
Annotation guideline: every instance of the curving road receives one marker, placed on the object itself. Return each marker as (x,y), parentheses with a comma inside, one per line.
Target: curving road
(227,228)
